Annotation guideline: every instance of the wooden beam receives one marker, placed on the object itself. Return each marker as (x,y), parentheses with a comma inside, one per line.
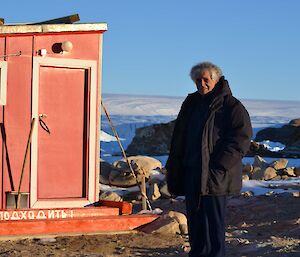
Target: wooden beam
(2,21)
(125,208)
(77,225)
(63,20)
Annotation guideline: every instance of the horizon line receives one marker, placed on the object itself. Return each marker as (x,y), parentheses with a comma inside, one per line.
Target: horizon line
(172,96)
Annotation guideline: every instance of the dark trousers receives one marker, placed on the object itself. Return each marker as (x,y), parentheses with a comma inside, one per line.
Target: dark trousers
(206,224)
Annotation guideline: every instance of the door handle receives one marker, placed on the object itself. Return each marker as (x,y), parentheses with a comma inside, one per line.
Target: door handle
(43,124)
(42,115)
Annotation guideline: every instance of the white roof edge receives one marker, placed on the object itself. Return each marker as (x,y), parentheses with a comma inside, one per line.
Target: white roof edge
(43,28)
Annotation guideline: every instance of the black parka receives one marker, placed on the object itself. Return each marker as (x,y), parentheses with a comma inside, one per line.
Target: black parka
(225,140)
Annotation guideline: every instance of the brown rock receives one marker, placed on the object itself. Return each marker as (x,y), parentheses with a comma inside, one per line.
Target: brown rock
(285,177)
(163,225)
(279,164)
(247,169)
(278,177)
(181,219)
(295,123)
(257,173)
(289,171)
(247,194)
(186,247)
(178,216)
(269,173)
(164,190)
(121,178)
(296,194)
(153,191)
(110,196)
(259,162)
(297,172)
(152,140)
(245,178)
(287,134)
(105,169)
(144,163)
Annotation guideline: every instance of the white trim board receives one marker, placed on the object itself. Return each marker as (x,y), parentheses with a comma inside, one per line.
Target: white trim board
(3,82)
(67,63)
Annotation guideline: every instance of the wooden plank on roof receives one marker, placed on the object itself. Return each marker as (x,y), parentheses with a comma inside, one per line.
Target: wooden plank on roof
(63,20)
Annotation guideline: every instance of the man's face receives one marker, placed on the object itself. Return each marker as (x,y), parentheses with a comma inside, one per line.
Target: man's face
(205,83)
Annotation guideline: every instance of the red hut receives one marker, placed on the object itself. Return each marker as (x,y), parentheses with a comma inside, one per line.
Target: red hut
(51,73)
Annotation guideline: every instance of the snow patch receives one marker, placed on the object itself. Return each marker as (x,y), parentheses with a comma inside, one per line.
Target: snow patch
(105,137)
(258,187)
(272,146)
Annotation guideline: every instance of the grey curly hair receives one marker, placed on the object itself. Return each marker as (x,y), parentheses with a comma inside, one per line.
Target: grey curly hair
(214,70)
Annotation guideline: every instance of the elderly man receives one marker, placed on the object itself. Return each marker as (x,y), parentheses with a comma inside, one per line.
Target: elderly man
(211,135)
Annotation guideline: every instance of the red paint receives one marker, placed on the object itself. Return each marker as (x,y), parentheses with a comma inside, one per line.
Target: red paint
(61,154)
(17,113)
(62,165)
(57,213)
(2,52)
(85,46)
(63,168)
(78,225)
(125,208)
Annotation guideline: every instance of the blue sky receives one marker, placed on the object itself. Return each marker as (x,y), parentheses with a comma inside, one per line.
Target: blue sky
(151,45)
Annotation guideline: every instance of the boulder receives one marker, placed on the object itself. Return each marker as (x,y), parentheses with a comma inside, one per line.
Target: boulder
(247,194)
(257,173)
(105,169)
(279,164)
(164,190)
(110,196)
(170,223)
(297,172)
(278,177)
(245,178)
(289,171)
(295,123)
(153,192)
(259,162)
(163,225)
(285,177)
(247,169)
(152,140)
(181,219)
(144,163)
(296,194)
(269,173)
(121,178)
(287,134)
(121,175)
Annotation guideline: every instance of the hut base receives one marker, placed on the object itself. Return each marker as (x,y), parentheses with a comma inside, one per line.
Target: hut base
(22,223)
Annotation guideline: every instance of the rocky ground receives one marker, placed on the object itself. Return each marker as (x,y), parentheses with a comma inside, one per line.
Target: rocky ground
(256,226)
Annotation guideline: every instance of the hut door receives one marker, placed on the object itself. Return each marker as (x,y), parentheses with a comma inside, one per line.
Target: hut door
(61,150)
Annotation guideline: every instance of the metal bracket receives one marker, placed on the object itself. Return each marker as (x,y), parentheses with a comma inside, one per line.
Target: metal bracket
(8,55)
